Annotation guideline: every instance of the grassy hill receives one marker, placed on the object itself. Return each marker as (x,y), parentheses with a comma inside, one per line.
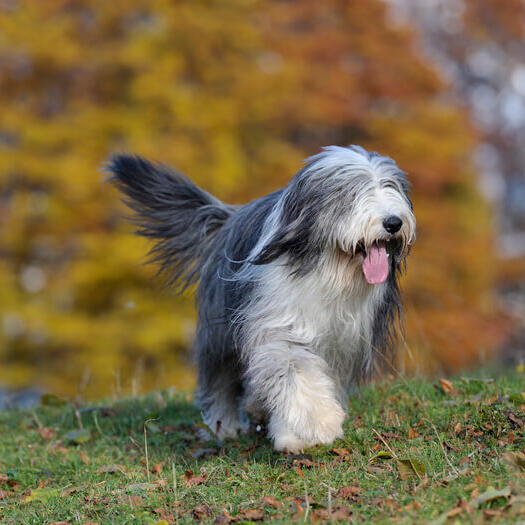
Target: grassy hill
(414,451)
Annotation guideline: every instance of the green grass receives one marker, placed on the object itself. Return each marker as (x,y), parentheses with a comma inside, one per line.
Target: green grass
(457,445)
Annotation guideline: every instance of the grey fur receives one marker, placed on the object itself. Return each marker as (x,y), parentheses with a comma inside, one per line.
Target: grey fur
(283,304)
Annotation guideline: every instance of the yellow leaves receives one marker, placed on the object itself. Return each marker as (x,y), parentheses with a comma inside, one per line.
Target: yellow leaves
(237,109)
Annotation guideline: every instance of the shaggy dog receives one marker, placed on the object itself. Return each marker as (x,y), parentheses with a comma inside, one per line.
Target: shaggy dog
(297,293)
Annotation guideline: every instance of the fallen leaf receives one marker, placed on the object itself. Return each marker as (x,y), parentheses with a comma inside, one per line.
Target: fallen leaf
(157,469)
(515,460)
(299,471)
(192,480)
(410,468)
(412,433)
(73,490)
(59,447)
(446,386)
(491,513)
(110,469)
(303,462)
(223,518)
(341,513)
(78,436)
(270,500)
(340,451)
(381,455)
(42,494)
(83,457)
(47,433)
(252,514)
(51,400)
(490,495)
(516,420)
(201,511)
(350,493)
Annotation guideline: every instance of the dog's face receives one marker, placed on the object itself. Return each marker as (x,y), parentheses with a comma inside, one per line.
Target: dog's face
(350,202)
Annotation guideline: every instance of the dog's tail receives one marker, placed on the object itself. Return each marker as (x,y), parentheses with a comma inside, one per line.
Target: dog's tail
(172,210)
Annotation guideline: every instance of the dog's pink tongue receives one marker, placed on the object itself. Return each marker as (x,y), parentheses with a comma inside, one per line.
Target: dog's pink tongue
(375,264)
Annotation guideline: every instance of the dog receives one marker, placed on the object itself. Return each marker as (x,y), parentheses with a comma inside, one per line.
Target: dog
(297,292)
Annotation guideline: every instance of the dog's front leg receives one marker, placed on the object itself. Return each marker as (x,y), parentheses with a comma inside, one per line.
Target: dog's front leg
(294,386)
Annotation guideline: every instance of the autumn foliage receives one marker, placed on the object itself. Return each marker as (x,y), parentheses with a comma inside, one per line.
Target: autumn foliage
(235,94)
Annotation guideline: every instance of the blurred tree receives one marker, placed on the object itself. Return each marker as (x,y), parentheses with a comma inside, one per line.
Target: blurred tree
(235,93)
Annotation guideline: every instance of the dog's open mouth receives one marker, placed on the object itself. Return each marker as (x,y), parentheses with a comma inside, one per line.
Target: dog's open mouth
(375,262)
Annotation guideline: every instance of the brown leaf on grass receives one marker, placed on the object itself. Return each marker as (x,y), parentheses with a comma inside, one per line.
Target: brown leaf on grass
(448,446)
(252,514)
(340,451)
(201,512)
(223,518)
(157,469)
(47,433)
(134,501)
(446,385)
(83,457)
(60,523)
(463,460)
(164,515)
(337,514)
(191,480)
(412,433)
(341,513)
(389,435)
(58,446)
(515,461)
(516,420)
(4,494)
(299,471)
(350,493)
(303,462)
(270,500)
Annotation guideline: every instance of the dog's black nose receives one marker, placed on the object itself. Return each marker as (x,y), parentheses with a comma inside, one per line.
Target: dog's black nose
(392,224)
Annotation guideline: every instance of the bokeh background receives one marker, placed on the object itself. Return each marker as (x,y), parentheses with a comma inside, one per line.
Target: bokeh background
(236,93)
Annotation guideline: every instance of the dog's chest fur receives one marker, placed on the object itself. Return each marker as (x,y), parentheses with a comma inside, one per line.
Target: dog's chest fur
(329,311)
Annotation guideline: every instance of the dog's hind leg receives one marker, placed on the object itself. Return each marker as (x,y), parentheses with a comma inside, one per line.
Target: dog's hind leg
(218,395)
(299,395)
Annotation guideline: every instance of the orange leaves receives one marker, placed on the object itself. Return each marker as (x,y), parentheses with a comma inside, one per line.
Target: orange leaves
(191,480)
(292,77)
(446,385)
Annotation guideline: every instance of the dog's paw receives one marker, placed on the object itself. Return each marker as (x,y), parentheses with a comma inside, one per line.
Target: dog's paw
(284,440)
(323,424)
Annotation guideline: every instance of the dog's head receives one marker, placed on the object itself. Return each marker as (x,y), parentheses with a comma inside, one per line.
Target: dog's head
(345,201)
